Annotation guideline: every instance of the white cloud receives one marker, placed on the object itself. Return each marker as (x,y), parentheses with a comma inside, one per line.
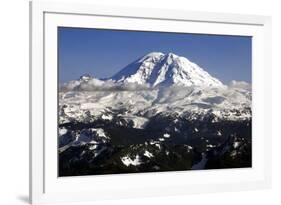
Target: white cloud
(240,84)
(101,85)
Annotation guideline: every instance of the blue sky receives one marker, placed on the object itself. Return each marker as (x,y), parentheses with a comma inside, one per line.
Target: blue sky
(102,53)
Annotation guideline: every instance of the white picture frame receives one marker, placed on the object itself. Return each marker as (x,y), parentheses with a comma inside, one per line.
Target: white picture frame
(46,187)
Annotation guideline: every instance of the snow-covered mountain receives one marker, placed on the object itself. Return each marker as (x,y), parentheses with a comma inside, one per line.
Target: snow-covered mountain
(165,69)
(162,84)
(160,113)
(152,70)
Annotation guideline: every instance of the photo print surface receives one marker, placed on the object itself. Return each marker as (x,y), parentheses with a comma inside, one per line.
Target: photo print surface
(142,101)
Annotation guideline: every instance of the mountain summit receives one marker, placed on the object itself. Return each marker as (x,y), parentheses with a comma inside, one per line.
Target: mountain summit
(159,69)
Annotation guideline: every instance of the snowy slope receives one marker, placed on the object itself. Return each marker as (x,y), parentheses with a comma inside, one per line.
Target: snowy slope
(136,106)
(165,69)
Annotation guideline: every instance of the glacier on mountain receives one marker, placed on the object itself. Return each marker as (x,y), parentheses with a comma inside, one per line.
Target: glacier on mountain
(158,69)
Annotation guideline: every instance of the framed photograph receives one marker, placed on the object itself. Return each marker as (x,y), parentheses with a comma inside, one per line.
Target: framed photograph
(129,102)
